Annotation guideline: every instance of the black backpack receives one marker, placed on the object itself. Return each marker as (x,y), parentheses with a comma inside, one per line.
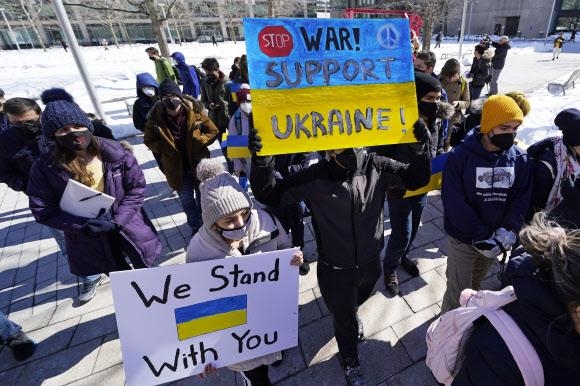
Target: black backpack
(178,79)
(200,74)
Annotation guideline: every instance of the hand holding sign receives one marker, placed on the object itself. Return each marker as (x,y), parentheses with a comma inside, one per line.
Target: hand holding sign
(254,140)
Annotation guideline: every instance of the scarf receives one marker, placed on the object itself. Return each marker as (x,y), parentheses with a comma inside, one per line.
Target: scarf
(566,166)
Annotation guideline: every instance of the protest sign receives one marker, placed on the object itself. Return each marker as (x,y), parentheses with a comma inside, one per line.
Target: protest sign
(174,320)
(320,84)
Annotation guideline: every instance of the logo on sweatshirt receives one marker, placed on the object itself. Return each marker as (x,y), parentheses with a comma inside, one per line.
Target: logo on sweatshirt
(487,178)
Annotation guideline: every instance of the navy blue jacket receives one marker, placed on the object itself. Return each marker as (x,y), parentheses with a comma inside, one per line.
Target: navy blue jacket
(544,320)
(188,75)
(483,191)
(144,103)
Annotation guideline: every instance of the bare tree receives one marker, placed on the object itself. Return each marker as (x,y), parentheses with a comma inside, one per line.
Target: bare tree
(150,8)
(30,11)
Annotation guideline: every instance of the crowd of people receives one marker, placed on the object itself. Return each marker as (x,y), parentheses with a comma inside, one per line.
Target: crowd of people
(491,189)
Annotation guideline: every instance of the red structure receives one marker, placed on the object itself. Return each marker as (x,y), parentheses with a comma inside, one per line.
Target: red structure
(415,21)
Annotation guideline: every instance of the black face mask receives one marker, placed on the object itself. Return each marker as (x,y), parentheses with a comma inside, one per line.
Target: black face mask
(152,58)
(503,141)
(428,109)
(29,129)
(75,140)
(347,159)
(211,78)
(172,104)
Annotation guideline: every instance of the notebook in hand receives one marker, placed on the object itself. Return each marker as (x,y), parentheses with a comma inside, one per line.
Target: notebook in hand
(83,201)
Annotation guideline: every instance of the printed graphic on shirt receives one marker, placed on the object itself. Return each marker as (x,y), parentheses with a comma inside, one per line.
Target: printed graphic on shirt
(487,178)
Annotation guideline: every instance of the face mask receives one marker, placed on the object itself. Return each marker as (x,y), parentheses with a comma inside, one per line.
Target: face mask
(29,129)
(152,58)
(347,159)
(75,140)
(238,233)
(503,141)
(211,78)
(149,91)
(172,104)
(428,109)
(246,107)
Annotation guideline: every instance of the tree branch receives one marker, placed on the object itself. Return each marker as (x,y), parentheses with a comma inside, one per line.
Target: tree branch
(97,8)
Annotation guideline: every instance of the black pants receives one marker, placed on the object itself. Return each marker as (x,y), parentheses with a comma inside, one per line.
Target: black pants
(343,291)
(257,376)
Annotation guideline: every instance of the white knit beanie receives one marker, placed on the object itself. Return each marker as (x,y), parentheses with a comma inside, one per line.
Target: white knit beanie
(221,194)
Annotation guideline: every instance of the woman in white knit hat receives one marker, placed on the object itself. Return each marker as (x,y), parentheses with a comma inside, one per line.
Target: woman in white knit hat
(233,227)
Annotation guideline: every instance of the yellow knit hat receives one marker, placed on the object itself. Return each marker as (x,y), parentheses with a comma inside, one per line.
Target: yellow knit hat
(521,100)
(499,109)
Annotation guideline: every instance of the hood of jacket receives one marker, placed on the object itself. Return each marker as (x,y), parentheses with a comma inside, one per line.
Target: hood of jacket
(178,57)
(488,54)
(146,79)
(538,147)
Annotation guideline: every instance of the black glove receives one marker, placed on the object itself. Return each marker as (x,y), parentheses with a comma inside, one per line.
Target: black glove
(421,131)
(254,140)
(95,226)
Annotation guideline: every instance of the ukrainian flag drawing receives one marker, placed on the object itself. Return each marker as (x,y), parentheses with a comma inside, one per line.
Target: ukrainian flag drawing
(237,145)
(437,165)
(214,315)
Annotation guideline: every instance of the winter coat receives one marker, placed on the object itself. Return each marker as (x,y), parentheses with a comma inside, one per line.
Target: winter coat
(559,42)
(164,70)
(200,132)
(543,319)
(457,91)
(188,76)
(17,155)
(4,123)
(216,92)
(144,103)
(480,71)
(124,180)
(501,50)
(544,171)
(346,206)
(264,234)
(483,191)
(101,130)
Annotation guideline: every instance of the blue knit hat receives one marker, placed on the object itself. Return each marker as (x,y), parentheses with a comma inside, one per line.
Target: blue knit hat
(61,111)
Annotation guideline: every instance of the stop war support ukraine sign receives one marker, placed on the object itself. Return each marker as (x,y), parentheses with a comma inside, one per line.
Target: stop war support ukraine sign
(320,84)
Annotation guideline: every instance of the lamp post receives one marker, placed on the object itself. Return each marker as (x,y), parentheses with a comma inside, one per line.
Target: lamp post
(166,23)
(469,21)
(462,27)
(549,22)
(10,29)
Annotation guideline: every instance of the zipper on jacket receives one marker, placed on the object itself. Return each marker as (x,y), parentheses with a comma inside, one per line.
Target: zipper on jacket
(352,214)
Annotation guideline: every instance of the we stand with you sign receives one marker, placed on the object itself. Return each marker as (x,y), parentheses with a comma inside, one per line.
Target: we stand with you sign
(175,320)
(320,84)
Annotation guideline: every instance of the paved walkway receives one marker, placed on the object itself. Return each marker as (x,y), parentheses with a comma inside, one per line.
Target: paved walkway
(79,345)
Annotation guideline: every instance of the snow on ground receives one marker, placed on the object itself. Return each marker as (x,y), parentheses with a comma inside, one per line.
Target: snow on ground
(27,73)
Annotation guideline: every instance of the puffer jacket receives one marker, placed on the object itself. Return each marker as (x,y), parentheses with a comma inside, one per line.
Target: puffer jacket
(264,234)
(124,180)
(217,92)
(199,132)
(543,319)
(346,206)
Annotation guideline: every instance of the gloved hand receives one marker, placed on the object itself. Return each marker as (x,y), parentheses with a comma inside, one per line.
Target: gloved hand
(421,131)
(254,140)
(95,226)
(489,248)
(505,237)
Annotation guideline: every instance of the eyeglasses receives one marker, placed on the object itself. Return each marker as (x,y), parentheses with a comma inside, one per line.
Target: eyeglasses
(28,123)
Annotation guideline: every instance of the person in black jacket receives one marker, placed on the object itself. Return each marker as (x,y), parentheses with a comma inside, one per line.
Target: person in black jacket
(554,160)
(498,62)
(345,194)
(547,310)
(480,71)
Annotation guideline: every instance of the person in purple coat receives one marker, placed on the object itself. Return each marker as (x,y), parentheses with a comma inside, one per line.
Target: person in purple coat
(94,245)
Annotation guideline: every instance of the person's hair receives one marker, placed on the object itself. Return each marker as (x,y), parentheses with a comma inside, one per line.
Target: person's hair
(20,106)
(152,50)
(210,64)
(428,57)
(450,68)
(557,248)
(480,49)
(236,59)
(67,159)
(244,69)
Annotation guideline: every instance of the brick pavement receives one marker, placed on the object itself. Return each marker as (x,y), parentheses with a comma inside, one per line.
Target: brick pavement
(79,345)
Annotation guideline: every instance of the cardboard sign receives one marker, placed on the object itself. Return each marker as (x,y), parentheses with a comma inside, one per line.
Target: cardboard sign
(174,320)
(320,84)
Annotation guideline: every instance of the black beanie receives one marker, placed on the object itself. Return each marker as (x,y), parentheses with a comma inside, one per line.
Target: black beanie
(569,122)
(424,84)
(168,87)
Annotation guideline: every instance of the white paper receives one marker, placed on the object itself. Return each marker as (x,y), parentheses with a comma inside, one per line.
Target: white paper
(153,352)
(83,201)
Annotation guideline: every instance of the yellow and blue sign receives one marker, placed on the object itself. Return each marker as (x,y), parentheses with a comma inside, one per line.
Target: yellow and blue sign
(437,165)
(320,84)
(211,316)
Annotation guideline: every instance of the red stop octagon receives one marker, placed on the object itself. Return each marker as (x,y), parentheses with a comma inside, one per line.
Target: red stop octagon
(275,41)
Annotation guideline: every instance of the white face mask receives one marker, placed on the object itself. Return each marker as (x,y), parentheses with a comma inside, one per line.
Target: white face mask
(246,107)
(149,91)
(239,233)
